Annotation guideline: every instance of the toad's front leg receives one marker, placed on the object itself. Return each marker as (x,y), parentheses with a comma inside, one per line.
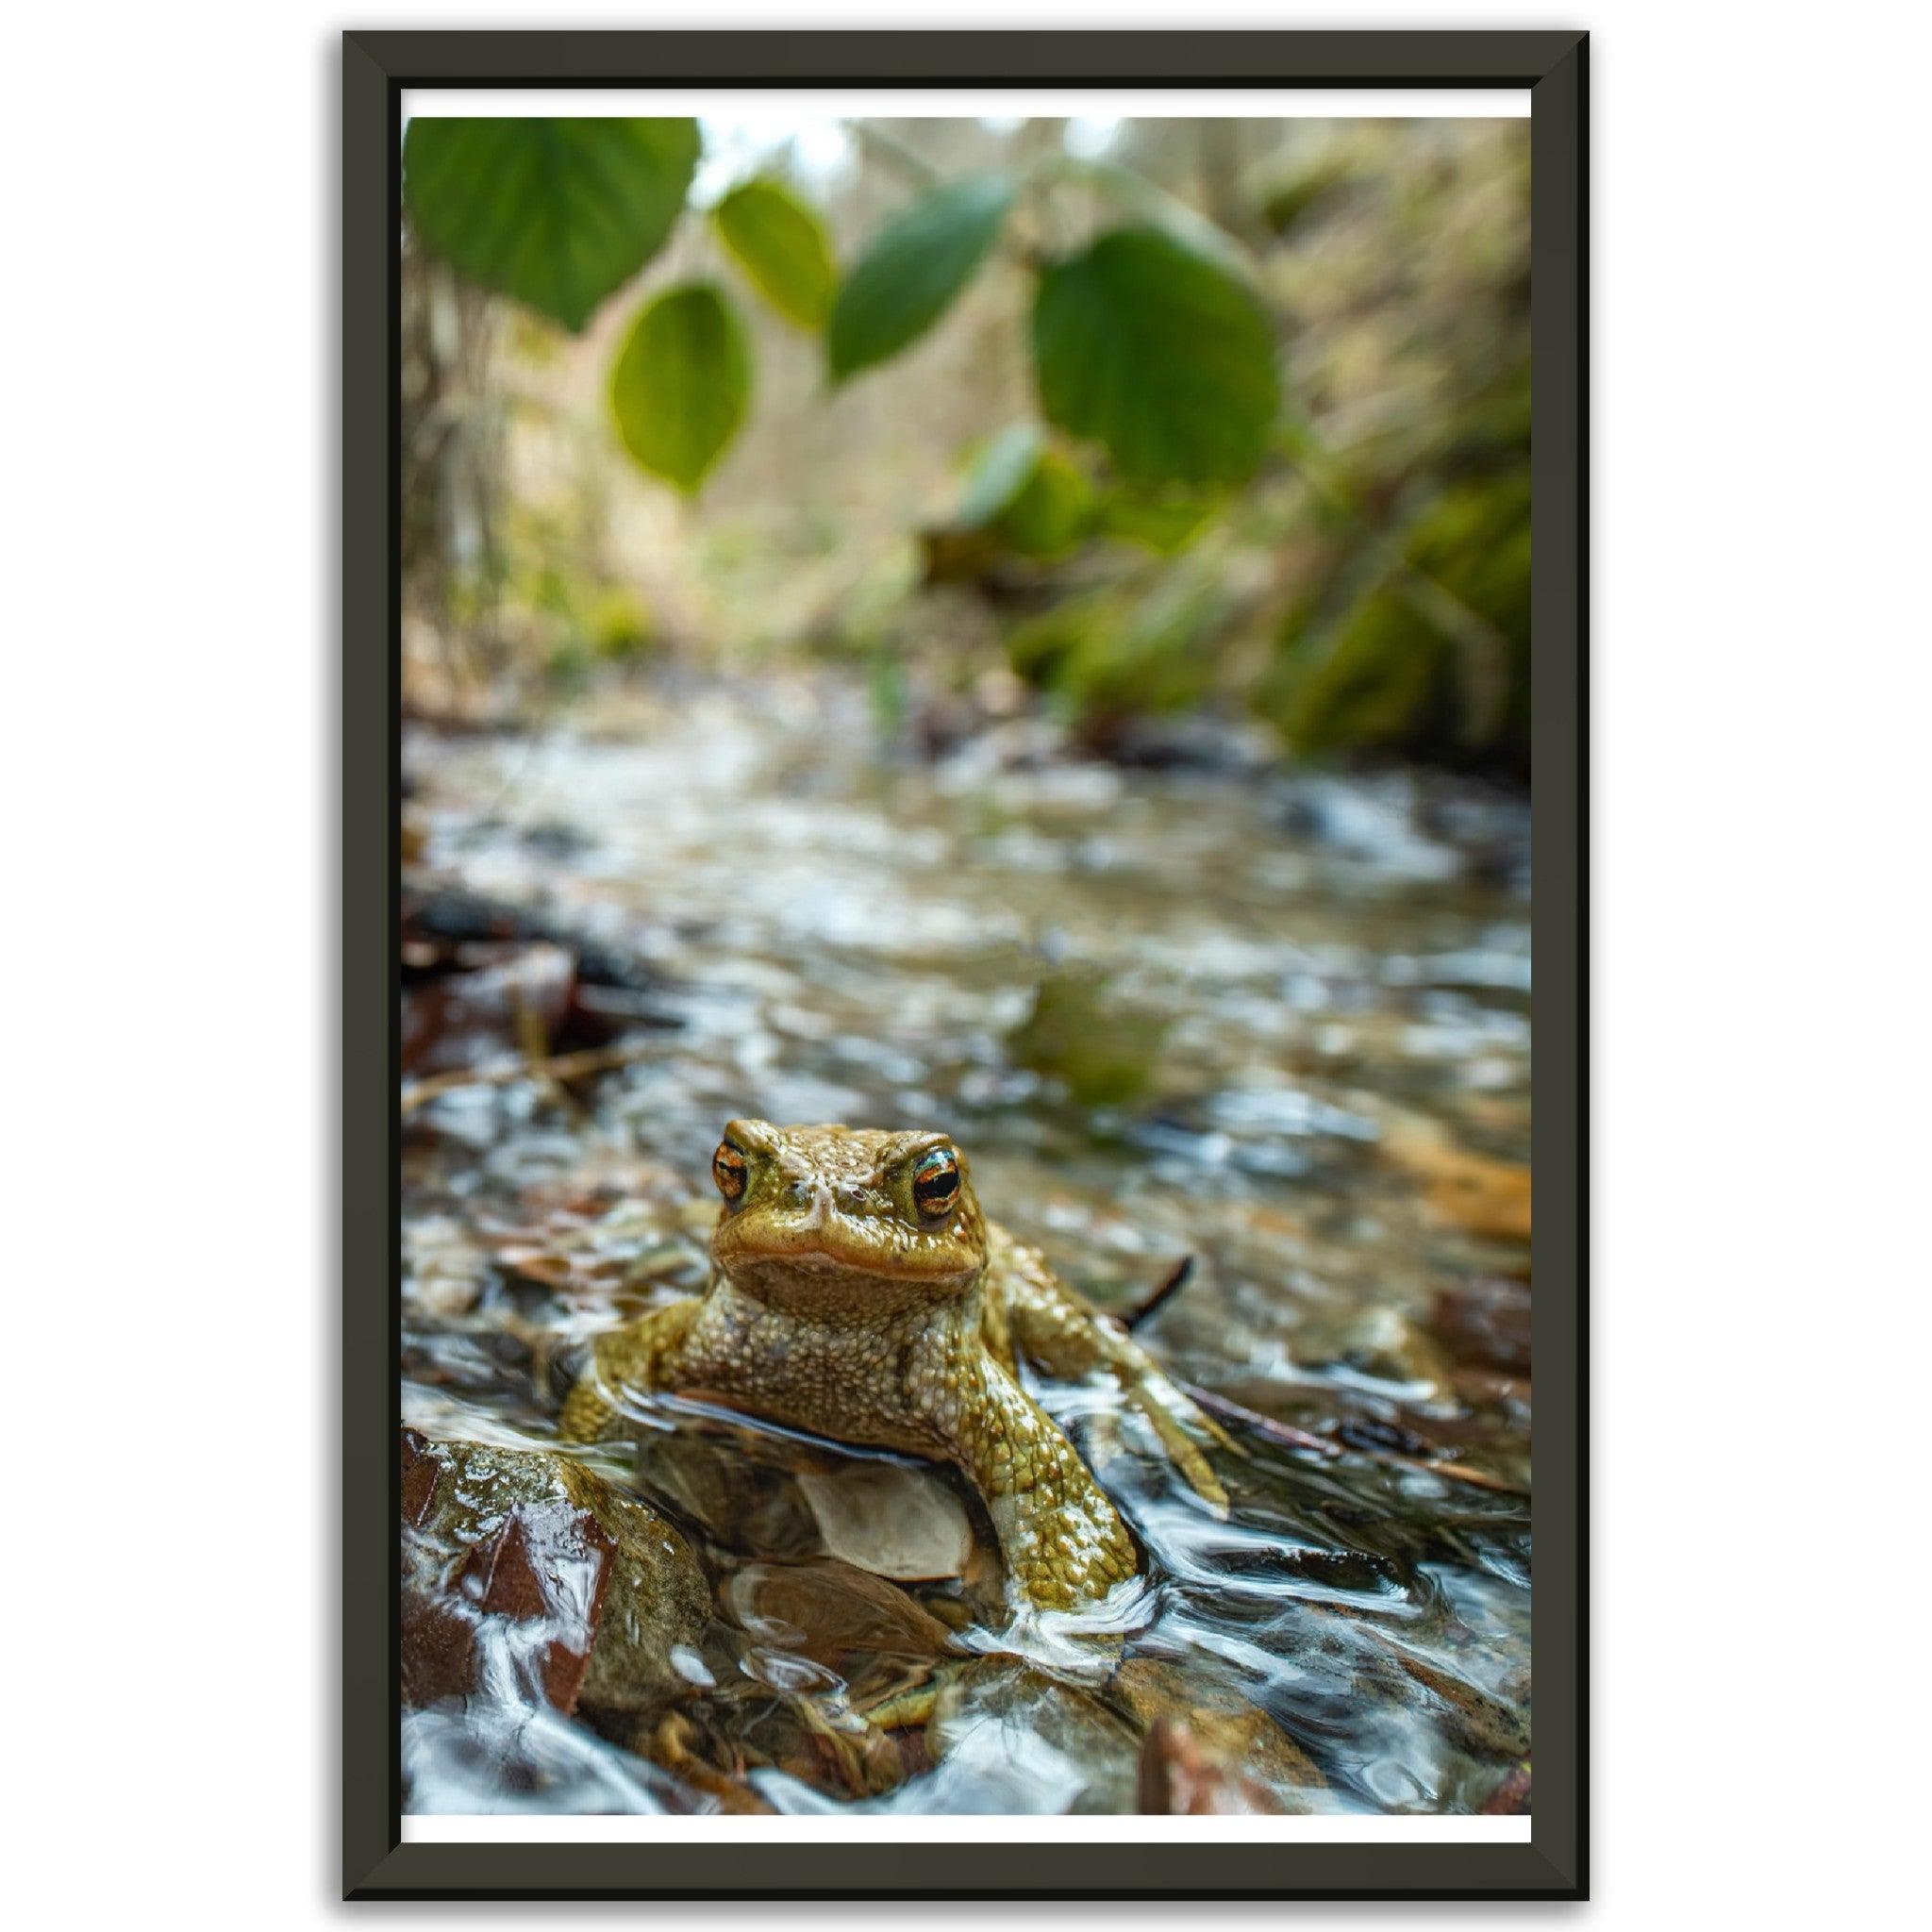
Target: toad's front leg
(642,1355)
(1063,1542)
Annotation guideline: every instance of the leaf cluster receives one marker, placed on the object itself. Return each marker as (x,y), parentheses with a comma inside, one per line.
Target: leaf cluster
(1146,346)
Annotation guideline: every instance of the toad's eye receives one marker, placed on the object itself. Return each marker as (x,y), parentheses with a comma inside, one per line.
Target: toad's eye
(727,1170)
(936,1183)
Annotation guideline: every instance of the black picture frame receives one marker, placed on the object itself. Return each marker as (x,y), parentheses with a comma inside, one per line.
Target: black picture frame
(377,67)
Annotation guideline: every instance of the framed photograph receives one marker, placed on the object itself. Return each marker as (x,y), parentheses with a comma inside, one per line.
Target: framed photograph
(964,708)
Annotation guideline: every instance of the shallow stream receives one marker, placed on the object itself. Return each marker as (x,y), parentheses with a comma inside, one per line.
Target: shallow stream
(1202,1009)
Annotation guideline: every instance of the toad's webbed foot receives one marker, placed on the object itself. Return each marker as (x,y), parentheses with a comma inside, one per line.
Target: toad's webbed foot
(1068,1339)
(640,1356)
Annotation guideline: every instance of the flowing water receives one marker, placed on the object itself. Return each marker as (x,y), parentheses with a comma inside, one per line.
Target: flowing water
(1275,1022)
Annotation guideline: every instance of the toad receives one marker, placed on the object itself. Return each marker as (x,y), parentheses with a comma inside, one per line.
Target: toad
(858,1291)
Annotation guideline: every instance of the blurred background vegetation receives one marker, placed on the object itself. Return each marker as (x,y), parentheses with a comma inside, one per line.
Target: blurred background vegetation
(1149,427)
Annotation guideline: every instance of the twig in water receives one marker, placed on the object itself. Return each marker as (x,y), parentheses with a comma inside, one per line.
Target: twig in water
(1456,1472)
(1170,1284)
(1288,1437)
(562,1066)
(1284,1434)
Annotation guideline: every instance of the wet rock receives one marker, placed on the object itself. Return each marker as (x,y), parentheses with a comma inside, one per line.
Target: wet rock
(1473,1720)
(444,918)
(767,1495)
(825,1627)
(1185,1134)
(476,1756)
(526,1576)
(1486,1320)
(1367,822)
(1218,1751)
(1509,1396)
(1511,1799)
(1103,1050)
(527,1557)
(1010,1739)
(1376,1340)
(899,1522)
(1182,742)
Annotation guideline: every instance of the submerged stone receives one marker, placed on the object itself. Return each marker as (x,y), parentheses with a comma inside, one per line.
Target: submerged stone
(1011,1738)
(1372,1340)
(1182,1778)
(1207,1748)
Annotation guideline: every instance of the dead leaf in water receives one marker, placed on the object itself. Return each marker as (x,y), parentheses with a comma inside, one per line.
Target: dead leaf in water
(835,1614)
(502,997)
(904,1523)
(1470,1192)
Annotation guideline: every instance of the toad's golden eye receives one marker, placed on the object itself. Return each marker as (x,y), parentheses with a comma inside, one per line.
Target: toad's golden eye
(727,1170)
(936,1183)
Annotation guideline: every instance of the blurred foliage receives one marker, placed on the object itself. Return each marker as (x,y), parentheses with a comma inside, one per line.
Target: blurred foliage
(783,248)
(912,269)
(1151,644)
(1020,496)
(1365,662)
(682,383)
(1265,396)
(558,213)
(1159,355)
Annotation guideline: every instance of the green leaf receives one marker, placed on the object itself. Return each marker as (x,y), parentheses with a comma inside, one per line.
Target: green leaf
(912,269)
(781,244)
(999,473)
(1160,354)
(558,213)
(680,386)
